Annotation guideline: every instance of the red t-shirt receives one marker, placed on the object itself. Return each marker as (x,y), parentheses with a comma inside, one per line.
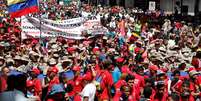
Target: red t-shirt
(196,63)
(154,96)
(71,82)
(105,82)
(37,87)
(118,86)
(54,81)
(3,84)
(77,87)
(139,84)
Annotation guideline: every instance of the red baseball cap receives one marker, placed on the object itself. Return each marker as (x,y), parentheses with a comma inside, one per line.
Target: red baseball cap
(120,59)
(153,67)
(125,69)
(71,49)
(76,68)
(36,71)
(29,83)
(54,69)
(96,49)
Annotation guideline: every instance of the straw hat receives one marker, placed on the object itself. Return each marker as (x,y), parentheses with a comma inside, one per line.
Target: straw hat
(17,57)
(65,59)
(193,72)
(24,58)
(52,61)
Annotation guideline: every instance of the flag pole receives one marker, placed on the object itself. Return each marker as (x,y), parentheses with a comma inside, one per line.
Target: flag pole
(40,38)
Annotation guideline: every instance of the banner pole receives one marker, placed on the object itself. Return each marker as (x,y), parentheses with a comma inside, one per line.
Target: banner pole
(21,31)
(40,39)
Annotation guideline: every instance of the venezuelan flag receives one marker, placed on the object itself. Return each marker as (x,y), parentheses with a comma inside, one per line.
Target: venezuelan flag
(18,8)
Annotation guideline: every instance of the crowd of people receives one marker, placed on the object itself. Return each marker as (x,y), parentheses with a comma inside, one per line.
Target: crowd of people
(142,57)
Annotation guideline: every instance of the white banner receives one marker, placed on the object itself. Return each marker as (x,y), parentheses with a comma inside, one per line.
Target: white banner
(71,28)
(33,27)
(152,5)
(94,27)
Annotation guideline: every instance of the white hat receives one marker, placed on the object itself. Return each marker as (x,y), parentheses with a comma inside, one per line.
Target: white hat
(193,72)
(8,56)
(105,38)
(54,46)
(17,57)
(10,60)
(162,49)
(52,61)
(185,50)
(171,53)
(65,46)
(1,58)
(25,58)
(33,53)
(158,57)
(56,55)
(65,59)
(53,40)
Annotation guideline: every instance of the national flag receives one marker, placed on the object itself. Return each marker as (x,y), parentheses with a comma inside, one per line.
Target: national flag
(18,8)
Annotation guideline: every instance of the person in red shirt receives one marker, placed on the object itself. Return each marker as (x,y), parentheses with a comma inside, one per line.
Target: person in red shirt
(77,83)
(196,63)
(160,92)
(118,86)
(77,79)
(36,82)
(126,94)
(195,84)
(139,82)
(185,92)
(3,79)
(130,79)
(104,77)
(153,70)
(176,82)
(54,79)
(30,90)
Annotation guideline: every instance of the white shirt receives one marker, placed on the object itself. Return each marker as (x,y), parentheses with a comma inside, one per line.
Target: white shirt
(15,95)
(89,91)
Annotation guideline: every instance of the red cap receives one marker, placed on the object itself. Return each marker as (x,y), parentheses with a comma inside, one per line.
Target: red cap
(76,68)
(153,67)
(164,69)
(34,41)
(95,49)
(87,76)
(120,60)
(29,83)
(54,69)
(137,50)
(36,71)
(71,49)
(191,69)
(125,69)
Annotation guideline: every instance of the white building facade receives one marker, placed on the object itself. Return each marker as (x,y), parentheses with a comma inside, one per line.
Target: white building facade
(167,5)
(188,6)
